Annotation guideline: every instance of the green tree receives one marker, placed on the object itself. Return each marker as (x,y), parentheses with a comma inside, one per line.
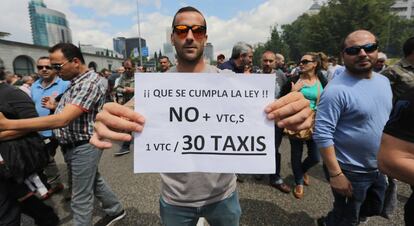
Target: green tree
(325,31)
(274,44)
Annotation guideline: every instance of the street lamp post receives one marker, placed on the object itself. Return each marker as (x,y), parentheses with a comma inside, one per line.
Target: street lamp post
(139,35)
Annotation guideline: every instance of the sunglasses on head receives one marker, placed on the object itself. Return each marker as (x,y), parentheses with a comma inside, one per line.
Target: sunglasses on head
(199,31)
(46,67)
(58,67)
(306,61)
(368,48)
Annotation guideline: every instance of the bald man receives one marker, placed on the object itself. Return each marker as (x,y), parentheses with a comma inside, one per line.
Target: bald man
(352,113)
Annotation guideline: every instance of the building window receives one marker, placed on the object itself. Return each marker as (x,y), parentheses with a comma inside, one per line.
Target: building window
(23,65)
(62,32)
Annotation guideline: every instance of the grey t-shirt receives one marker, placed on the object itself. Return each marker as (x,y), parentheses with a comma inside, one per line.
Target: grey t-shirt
(197,189)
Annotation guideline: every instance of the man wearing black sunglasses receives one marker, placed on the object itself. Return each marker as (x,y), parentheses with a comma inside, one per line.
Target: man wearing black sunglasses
(49,85)
(352,113)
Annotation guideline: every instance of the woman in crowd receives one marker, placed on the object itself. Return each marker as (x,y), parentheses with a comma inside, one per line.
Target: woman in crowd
(310,83)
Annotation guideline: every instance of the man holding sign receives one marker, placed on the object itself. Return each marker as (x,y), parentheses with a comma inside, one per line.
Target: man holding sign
(188,196)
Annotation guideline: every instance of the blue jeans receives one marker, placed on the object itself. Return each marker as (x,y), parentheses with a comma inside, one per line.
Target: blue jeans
(87,183)
(298,167)
(368,191)
(223,213)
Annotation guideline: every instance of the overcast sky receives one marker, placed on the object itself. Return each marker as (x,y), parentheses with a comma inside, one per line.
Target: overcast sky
(96,22)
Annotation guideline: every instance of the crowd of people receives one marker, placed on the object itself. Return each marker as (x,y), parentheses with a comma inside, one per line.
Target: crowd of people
(355,117)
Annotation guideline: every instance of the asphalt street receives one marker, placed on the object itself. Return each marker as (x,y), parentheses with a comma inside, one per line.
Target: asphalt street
(261,204)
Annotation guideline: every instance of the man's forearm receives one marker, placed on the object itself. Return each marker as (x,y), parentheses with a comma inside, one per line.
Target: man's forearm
(396,158)
(11,134)
(330,161)
(35,124)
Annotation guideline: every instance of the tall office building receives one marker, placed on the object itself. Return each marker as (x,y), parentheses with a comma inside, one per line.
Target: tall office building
(314,9)
(404,8)
(49,26)
(168,49)
(119,45)
(209,52)
(126,46)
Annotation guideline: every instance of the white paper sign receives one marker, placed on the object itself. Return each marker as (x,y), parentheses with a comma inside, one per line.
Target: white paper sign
(204,123)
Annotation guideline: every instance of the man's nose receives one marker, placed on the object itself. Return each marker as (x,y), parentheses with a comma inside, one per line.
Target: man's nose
(190,35)
(362,53)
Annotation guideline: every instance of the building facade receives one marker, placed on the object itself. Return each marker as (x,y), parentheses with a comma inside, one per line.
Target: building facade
(404,8)
(49,26)
(21,58)
(86,48)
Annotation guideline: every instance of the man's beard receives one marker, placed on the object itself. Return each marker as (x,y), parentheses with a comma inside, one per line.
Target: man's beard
(358,71)
(184,59)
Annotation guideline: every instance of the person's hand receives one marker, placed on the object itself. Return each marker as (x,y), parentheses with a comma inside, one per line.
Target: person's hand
(111,120)
(49,103)
(128,90)
(297,86)
(291,111)
(247,69)
(341,185)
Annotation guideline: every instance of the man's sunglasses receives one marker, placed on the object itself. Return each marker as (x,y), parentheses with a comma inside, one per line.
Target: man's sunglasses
(368,48)
(199,31)
(41,67)
(58,67)
(306,61)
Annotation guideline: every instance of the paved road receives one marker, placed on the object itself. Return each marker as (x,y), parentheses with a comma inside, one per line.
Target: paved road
(261,204)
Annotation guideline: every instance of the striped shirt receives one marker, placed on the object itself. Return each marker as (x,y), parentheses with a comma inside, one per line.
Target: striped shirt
(87,92)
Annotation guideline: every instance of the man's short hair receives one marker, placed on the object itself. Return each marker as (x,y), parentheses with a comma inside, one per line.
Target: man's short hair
(164,57)
(43,58)
(332,60)
(105,70)
(221,56)
(188,9)
(240,48)
(408,47)
(27,78)
(130,61)
(269,52)
(382,56)
(69,51)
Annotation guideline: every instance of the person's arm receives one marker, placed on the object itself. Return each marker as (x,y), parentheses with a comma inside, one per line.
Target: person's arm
(68,114)
(11,134)
(129,90)
(396,158)
(337,179)
(327,117)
